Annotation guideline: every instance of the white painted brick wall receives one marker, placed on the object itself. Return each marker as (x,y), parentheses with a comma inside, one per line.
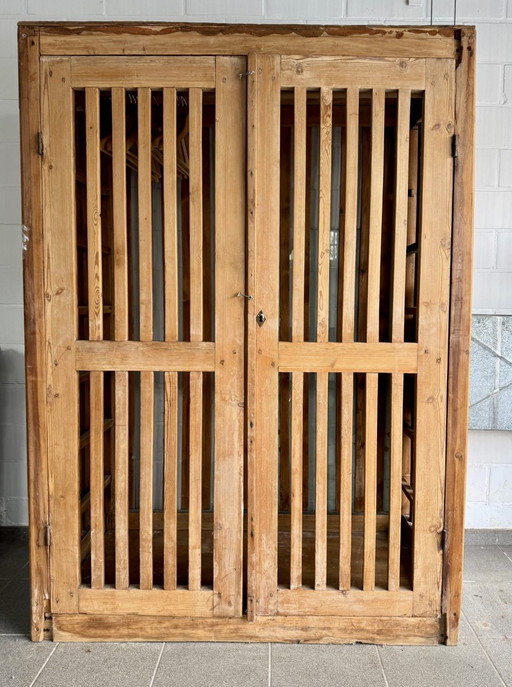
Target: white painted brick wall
(490,453)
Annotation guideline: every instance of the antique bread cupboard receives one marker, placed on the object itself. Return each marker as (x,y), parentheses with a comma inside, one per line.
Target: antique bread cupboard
(247,306)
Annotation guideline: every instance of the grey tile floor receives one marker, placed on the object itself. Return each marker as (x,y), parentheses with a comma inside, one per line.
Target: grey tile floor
(482,659)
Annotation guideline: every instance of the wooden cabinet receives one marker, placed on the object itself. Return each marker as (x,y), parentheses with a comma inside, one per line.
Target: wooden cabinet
(247,286)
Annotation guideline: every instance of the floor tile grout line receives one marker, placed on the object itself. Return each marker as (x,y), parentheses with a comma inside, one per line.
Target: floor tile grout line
(157,665)
(504,553)
(44,665)
(381,662)
(484,649)
(270,664)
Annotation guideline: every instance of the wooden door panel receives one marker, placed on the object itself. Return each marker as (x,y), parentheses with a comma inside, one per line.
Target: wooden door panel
(146,324)
(353,120)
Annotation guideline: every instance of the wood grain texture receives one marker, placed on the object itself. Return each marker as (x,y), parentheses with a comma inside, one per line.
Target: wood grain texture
(318,630)
(170,479)
(143,72)
(34,320)
(460,335)
(263,251)
(345,72)
(354,603)
(147,401)
(397,333)
(61,331)
(94,242)
(145,214)
(120,226)
(347,357)
(145,355)
(230,209)
(433,301)
(158,602)
(121,477)
(97,481)
(226,39)
(170,220)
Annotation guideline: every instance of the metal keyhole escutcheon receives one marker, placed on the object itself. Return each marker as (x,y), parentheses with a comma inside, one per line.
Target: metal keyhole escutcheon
(260,318)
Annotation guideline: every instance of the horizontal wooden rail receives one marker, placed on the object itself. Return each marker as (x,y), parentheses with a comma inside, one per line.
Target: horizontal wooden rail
(348,357)
(347,603)
(342,72)
(139,72)
(158,602)
(145,355)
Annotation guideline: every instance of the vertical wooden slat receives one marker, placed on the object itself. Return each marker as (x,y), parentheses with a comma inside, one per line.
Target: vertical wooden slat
(120,214)
(120,333)
(230,169)
(263,283)
(299,232)
(196,334)
(322,335)
(170,227)
(62,328)
(460,336)
(397,335)
(146,334)
(121,479)
(372,336)
(145,218)
(433,309)
(347,332)
(97,477)
(94,266)
(147,399)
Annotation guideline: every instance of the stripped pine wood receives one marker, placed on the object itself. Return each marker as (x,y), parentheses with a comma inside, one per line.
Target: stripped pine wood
(337,72)
(322,334)
(347,357)
(354,603)
(263,249)
(34,321)
(397,334)
(372,335)
(120,214)
(145,355)
(94,246)
(171,314)
(145,215)
(170,479)
(225,39)
(433,298)
(196,334)
(145,72)
(297,379)
(61,328)
(121,478)
(97,477)
(318,629)
(230,134)
(147,401)
(460,336)
(158,602)
(347,331)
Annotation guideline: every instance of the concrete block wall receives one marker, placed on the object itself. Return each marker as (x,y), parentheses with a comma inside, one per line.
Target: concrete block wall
(490,469)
